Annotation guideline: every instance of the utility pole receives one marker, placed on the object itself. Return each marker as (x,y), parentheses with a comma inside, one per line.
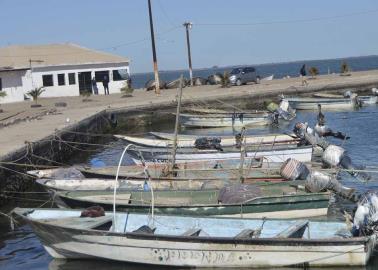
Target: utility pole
(157,82)
(188,25)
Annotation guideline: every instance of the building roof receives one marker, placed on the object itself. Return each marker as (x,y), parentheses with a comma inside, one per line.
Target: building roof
(18,57)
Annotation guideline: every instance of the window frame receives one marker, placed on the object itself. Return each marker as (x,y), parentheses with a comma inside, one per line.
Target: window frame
(103,72)
(50,76)
(61,76)
(71,78)
(121,79)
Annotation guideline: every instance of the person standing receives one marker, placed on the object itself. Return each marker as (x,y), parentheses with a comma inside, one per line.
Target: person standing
(94,86)
(105,83)
(303,75)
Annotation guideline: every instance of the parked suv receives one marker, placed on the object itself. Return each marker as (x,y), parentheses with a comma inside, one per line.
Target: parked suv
(243,75)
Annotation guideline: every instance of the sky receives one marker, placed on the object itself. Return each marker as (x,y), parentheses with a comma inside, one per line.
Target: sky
(224,33)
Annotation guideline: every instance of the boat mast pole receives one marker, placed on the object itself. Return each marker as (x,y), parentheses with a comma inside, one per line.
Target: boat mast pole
(188,25)
(156,72)
(178,97)
(242,155)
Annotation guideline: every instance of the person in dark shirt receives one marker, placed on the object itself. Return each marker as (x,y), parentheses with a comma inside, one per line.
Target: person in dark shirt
(303,74)
(105,83)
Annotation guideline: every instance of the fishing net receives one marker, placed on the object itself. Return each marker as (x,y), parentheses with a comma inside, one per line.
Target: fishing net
(208,143)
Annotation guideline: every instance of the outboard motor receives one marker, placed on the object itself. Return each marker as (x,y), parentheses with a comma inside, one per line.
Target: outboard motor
(323,130)
(315,181)
(338,157)
(365,220)
(374,91)
(333,155)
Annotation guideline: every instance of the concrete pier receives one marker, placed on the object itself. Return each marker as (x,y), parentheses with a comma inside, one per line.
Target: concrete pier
(22,126)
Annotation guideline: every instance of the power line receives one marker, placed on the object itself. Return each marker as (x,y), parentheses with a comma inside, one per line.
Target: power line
(114,47)
(291,21)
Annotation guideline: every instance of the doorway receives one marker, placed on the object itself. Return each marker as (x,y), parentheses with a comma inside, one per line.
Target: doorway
(85,82)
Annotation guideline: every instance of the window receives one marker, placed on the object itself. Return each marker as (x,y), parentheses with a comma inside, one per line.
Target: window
(48,80)
(61,79)
(71,78)
(102,76)
(120,75)
(1,85)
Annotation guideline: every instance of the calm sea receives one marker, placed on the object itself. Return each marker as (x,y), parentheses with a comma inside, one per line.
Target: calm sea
(21,249)
(279,70)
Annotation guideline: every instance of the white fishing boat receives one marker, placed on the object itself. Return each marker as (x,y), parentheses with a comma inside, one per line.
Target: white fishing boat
(268,78)
(326,103)
(197,241)
(273,155)
(224,142)
(214,120)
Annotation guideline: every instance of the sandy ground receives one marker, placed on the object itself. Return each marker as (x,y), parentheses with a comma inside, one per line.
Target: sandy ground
(19,122)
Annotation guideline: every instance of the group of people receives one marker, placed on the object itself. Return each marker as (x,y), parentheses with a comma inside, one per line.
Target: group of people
(105,84)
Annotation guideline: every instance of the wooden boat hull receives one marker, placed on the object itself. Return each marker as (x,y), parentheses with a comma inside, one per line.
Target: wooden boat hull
(303,154)
(169,247)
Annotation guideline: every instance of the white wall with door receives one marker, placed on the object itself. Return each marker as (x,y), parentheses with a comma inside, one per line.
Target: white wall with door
(71,80)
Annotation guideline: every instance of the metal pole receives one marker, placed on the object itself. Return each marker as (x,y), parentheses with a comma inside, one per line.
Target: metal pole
(188,25)
(157,82)
(179,96)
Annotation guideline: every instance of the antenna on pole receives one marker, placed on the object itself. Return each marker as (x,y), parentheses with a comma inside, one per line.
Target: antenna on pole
(157,82)
(188,25)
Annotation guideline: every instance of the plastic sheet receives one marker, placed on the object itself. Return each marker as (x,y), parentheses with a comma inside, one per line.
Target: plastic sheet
(66,173)
(333,155)
(239,193)
(365,220)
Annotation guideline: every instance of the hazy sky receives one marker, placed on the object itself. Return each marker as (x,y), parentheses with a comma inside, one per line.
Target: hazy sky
(224,32)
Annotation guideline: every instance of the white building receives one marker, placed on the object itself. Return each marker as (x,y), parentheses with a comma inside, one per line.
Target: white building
(61,69)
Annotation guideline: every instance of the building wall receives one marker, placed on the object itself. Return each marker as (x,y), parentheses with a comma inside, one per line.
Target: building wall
(12,84)
(18,83)
(73,90)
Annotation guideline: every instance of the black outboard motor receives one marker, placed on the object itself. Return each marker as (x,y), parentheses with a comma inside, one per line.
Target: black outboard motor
(208,143)
(323,130)
(315,181)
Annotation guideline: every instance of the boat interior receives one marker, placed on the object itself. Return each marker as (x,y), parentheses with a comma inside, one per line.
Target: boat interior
(190,226)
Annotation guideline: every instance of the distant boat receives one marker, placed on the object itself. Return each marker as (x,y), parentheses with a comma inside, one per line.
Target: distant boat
(213,120)
(268,78)
(171,240)
(300,103)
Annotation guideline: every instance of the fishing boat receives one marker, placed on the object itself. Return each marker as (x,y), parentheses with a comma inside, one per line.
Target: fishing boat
(326,103)
(268,154)
(200,110)
(273,200)
(250,139)
(208,170)
(197,241)
(93,184)
(366,100)
(224,142)
(219,120)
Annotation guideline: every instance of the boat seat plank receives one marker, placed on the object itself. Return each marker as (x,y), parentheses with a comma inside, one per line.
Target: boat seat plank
(124,198)
(192,232)
(245,234)
(80,222)
(294,231)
